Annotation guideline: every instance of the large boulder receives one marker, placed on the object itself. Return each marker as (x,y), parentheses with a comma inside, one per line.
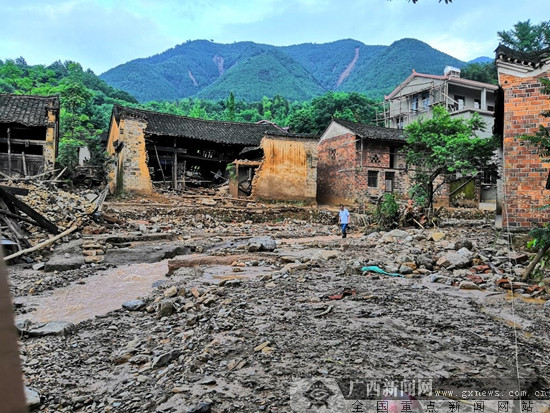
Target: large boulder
(265,243)
(456,259)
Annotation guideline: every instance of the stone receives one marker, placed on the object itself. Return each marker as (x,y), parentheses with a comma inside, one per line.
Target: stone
(133,305)
(459,259)
(324,255)
(436,236)
(53,328)
(166,308)
(464,243)
(32,397)
(424,260)
(202,407)
(38,266)
(266,243)
(165,358)
(254,247)
(468,285)
(405,269)
(171,292)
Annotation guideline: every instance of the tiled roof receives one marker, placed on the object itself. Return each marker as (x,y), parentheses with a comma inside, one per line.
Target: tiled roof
(372,132)
(26,109)
(231,133)
(533,59)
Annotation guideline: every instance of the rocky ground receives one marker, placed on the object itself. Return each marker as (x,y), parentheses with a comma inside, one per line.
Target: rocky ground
(258,302)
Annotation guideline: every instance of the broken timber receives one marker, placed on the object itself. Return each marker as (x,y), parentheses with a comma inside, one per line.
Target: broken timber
(13,202)
(42,244)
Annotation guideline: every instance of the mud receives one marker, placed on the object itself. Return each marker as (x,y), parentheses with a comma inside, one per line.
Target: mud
(247,326)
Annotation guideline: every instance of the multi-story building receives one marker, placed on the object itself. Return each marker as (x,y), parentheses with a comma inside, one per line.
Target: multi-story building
(415,98)
(419,93)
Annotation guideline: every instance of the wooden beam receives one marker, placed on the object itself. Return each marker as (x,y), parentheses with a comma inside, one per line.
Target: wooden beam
(26,142)
(42,244)
(23,207)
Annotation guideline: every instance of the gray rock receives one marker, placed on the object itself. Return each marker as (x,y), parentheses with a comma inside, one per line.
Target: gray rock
(405,269)
(459,259)
(38,266)
(32,397)
(464,243)
(425,261)
(468,285)
(53,328)
(165,358)
(266,243)
(133,305)
(166,308)
(202,407)
(254,247)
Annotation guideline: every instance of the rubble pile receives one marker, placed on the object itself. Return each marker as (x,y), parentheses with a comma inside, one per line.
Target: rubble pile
(251,301)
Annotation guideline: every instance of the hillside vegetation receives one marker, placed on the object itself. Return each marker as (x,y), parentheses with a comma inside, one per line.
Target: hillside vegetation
(251,71)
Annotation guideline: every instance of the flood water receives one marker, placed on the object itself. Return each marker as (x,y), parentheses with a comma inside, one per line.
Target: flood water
(101,293)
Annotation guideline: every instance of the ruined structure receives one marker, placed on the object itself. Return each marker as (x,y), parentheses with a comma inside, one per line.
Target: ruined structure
(526,177)
(29,134)
(287,170)
(358,163)
(173,151)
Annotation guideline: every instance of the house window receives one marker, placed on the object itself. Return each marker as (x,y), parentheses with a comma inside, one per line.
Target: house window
(332,153)
(393,158)
(390,178)
(372,179)
(415,103)
(400,122)
(459,102)
(425,101)
(375,158)
(477,104)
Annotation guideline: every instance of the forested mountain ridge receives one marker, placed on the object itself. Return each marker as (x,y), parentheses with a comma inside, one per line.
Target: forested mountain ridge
(211,70)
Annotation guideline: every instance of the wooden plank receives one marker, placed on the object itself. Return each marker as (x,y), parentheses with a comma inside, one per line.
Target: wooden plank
(15,191)
(25,142)
(42,244)
(43,222)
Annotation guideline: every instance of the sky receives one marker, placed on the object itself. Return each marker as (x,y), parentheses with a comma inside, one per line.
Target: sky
(102,34)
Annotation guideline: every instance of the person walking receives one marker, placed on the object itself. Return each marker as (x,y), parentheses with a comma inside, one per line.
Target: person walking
(343,220)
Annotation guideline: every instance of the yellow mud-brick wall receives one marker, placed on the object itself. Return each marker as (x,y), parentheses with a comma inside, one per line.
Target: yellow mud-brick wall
(50,148)
(288,171)
(129,172)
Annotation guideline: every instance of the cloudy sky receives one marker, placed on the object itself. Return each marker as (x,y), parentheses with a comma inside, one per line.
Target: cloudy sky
(101,34)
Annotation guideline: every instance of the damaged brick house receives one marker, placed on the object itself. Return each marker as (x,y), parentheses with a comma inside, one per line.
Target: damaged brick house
(358,163)
(286,170)
(526,177)
(29,134)
(151,148)
(415,98)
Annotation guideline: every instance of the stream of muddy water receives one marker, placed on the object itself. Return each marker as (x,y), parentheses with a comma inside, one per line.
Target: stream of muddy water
(100,293)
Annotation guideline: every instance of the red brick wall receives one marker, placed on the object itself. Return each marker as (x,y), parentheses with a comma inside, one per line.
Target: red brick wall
(524,173)
(342,170)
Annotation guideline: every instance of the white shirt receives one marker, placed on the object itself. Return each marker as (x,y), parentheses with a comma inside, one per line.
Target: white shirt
(344,216)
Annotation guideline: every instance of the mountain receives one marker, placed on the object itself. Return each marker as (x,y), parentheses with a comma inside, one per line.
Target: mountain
(300,72)
(482,59)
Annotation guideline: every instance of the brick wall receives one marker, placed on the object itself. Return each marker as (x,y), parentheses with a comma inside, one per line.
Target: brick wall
(344,165)
(524,174)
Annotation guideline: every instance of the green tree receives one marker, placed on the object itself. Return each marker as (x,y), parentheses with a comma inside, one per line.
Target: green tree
(443,145)
(230,110)
(527,37)
(481,72)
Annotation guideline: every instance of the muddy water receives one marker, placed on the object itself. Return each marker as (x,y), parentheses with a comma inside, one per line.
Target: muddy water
(101,293)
